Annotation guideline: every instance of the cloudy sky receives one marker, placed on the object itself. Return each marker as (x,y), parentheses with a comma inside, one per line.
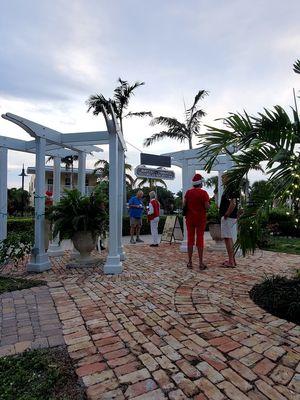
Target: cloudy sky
(54,54)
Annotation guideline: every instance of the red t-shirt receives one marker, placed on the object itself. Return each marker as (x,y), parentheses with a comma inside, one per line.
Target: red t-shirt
(196,198)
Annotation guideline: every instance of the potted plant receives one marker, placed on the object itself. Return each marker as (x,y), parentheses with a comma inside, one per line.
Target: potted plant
(214,222)
(81,219)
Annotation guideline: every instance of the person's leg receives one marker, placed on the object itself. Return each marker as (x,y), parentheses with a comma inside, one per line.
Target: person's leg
(191,241)
(155,231)
(138,229)
(200,246)
(132,230)
(230,251)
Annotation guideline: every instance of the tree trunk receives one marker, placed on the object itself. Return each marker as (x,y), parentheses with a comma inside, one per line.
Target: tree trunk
(190,143)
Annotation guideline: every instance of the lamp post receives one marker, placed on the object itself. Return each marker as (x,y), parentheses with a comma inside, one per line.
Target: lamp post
(22,174)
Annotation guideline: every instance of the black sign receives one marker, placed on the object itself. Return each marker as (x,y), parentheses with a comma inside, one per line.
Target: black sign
(153,159)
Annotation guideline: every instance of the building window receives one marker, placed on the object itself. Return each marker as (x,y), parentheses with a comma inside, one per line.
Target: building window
(86,181)
(67,181)
(50,181)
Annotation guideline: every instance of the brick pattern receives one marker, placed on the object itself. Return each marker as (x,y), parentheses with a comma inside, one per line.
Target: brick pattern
(160,331)
(28,320)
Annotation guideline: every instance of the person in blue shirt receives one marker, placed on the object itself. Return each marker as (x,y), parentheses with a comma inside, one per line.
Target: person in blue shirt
(136,209)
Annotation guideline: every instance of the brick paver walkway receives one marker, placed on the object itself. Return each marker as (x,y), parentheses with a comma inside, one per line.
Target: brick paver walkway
(160,331)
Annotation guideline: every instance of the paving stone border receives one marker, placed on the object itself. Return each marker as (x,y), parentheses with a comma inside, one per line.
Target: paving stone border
(160,331)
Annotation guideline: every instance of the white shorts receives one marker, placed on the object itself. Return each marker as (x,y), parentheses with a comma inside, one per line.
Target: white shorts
(229,228)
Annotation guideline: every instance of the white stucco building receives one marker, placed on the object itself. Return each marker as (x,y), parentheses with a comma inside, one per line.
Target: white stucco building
(69,180)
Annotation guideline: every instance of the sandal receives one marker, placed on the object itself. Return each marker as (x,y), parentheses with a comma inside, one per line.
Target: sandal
(202,267)
(227,265)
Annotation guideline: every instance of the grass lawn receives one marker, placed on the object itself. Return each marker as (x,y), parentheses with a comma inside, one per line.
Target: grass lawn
(39,374)
(284,245)
(9,284)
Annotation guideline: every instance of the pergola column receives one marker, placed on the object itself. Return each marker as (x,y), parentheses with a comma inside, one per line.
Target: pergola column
(121,167)
(39,259)
(3,193)
(54,247)
(81,172)
(113,264)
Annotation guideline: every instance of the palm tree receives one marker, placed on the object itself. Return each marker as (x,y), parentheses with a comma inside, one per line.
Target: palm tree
(151,182)
(120,102)
(102,167)
(180,131)
(270,137)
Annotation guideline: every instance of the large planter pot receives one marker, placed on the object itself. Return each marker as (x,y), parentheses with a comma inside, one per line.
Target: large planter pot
(84,243)
(215,232)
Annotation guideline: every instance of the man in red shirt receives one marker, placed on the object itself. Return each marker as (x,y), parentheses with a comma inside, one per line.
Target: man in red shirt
(196,202)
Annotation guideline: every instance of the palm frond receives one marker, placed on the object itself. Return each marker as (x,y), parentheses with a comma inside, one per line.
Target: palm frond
(296,66)
(199,96)
(140,114)
(164,135)
(97,102)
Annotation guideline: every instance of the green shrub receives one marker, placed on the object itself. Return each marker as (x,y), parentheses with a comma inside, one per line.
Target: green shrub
(281,221)
(279,296)
(19,225)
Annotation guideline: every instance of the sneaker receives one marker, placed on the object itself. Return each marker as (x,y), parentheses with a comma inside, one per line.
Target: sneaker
(138,240)
(132,241)
(153,245)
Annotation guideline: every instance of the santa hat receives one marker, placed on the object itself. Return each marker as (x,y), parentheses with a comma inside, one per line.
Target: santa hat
(197,179)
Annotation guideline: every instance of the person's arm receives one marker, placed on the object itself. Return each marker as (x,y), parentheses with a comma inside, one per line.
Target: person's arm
(231,207)
(132,205)
(151,209)
(206,201)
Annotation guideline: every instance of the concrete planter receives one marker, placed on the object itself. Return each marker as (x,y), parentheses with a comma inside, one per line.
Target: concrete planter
(84,243)
(215,232)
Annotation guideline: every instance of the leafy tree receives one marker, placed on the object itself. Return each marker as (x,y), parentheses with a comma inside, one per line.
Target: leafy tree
(180,131)
(14,200)
(270,137)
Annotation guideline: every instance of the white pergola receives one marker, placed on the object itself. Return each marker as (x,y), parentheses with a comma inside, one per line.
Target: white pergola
(188,161)
(50,142)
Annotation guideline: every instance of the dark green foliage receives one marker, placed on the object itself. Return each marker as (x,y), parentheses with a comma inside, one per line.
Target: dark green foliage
(10,284)
(213,216)
(39,374)
(279,296)
(282,220)
(14,200)
(74,213)
(20,225)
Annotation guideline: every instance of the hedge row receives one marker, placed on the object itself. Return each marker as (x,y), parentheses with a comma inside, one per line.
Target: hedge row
(27,225)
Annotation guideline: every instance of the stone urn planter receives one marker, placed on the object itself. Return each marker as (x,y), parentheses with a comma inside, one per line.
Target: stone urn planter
(84,243)
(215,232)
